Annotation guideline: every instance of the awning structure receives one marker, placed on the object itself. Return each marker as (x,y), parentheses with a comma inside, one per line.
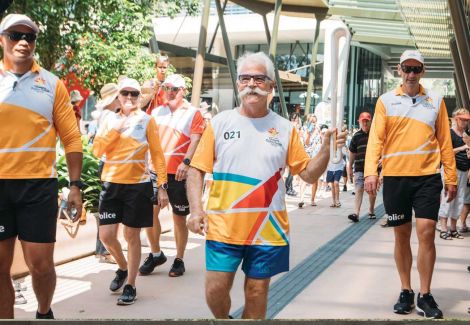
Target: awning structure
(391,26)
(385,27)
(376,22)
(430,25)
(317,8)
(289,7)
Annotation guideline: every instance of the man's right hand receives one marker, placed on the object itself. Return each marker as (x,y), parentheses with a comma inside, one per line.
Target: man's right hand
(74,200)
(371,184)
(197,223)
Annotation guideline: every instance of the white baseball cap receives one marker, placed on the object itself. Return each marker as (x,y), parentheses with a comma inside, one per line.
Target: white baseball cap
(411,55)
(17,19)
(175,80)
(129,83)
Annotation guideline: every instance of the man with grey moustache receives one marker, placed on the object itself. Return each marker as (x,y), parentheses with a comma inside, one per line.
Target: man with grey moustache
(247,149)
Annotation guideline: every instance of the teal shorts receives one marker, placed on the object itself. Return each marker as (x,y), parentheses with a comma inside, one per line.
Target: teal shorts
(259,261)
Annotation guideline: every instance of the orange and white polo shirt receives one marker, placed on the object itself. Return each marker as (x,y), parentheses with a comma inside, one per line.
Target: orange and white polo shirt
(413,138)
(175,130)
(34,109)
(127,153)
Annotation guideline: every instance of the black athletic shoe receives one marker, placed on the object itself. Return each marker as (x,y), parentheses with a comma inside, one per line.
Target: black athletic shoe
(345,188)
(177,269)
(151,262)
(128,297)
(48,315)
(405,303)
(426,306)
(353,217)
(118,280)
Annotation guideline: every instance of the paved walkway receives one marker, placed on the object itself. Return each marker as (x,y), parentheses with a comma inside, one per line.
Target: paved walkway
(338,270)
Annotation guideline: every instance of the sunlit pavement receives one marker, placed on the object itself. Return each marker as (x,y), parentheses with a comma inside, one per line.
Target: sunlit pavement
(360,283)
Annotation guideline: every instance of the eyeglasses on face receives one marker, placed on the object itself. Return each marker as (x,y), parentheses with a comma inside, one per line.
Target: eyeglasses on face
(259,79)
(166,88)
(126,93)
(18,36)
(409,69)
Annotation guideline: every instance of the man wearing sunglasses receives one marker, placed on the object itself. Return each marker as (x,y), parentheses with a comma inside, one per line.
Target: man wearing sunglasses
(411,134)
(34,109)
(180,127)
(246,222)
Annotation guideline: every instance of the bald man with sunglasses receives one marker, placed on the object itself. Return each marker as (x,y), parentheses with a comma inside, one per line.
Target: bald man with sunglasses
(34,109)
(411,134)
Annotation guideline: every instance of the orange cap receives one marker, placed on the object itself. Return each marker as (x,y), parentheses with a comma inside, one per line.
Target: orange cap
(365,116)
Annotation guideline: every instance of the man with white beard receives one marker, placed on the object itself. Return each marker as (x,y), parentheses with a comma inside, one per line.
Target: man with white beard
(247,149)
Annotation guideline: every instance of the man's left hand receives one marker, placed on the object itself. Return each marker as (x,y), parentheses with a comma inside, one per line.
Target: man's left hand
(181,172)
(74,201)
(450,192)
(162,198)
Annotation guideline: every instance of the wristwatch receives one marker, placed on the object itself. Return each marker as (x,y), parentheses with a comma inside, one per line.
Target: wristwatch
(186,161)
(78,184)
(164,186)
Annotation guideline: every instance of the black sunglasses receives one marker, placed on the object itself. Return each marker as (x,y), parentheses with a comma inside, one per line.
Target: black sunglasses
(126,93)
(409,69)
(165,88)
(18,36)
(258,78)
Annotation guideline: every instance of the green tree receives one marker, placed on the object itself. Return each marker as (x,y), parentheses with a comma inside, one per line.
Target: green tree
(98,39)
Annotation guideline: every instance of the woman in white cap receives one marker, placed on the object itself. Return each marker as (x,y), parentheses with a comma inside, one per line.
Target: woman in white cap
(127,138)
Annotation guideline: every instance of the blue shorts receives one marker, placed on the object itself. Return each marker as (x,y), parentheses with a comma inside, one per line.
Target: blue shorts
(333,176)
(259,262)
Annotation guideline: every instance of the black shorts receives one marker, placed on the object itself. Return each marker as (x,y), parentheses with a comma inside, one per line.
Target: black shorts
(28,209)
(129,204)
(403,194)
(176,194)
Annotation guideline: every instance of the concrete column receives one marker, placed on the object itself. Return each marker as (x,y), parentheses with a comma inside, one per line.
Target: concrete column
(313,60)
(351,87)
(272,54)
(462,37)
(228,51)
(462,89)
(201,54)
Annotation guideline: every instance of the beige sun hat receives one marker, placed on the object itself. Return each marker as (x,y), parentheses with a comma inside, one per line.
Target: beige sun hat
(75,96)
(108,94)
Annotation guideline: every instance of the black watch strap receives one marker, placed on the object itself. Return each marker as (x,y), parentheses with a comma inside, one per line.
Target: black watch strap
(78,184)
